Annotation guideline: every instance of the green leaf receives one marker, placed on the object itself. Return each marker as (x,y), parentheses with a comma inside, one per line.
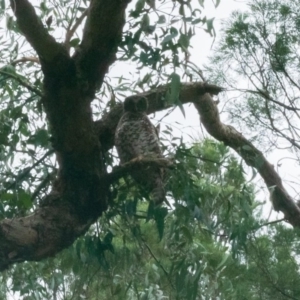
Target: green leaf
(74,42)
(181,107)
(167,39)
(145,22)
(4,138)
(159,216)
(140,5)
(210,27)
(222,263)
(41,138)
(187,234)
(7,196)
(161,19)
(24,200)
(201,2)
(151,3)
(184,41)
(2,5)
(172,96)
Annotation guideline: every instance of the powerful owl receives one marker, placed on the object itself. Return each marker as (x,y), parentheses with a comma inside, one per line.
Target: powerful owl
(136,137)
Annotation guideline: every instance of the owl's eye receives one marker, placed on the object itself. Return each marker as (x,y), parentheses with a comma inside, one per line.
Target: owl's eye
(129,105)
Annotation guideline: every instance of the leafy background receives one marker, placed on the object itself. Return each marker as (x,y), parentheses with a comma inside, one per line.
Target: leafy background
(214,241)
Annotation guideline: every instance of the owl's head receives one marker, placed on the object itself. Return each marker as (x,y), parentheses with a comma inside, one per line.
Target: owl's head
(133,104)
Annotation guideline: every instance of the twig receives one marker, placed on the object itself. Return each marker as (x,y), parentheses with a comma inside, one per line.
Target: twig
(41,186)
(26,59)
(269,223)
(27,170)
(23,83)
(72,30)
(160,265)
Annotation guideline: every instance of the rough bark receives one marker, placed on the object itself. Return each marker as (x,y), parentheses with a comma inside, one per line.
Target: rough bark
(79,195)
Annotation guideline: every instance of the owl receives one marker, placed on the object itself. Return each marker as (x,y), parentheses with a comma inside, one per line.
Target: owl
(136,137)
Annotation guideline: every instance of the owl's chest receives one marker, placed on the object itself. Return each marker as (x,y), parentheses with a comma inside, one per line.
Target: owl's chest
(134,130)
(135,137)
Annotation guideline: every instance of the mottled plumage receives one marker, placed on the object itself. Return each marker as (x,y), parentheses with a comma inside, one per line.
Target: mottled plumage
(135,137)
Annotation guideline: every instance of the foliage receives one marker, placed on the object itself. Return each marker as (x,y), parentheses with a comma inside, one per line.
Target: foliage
(210,242)
(212,245)
(258,58)
(155,40)
(131,255)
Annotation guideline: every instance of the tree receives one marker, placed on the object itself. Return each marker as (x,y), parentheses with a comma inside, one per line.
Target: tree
(105,264)
(58,108)
(213,218)
(260,48)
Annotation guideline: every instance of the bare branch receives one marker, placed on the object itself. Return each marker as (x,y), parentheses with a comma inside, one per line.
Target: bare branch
(70,32)
(32,59)
(210,118)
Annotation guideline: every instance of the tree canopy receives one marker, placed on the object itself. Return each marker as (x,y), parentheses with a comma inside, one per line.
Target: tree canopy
(62,188)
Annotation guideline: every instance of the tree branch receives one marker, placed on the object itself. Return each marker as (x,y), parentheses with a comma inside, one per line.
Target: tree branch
(101,36)
(57,224)
(32,59)
(70,32)
(199,94)
(78,196)
(34,31)
(210,118)
(40,235)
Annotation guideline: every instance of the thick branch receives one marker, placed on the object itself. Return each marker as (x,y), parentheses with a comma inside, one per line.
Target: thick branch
(101,37)
(199,94)
(79,196)
(40,235)
(34,31)
(55,225)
